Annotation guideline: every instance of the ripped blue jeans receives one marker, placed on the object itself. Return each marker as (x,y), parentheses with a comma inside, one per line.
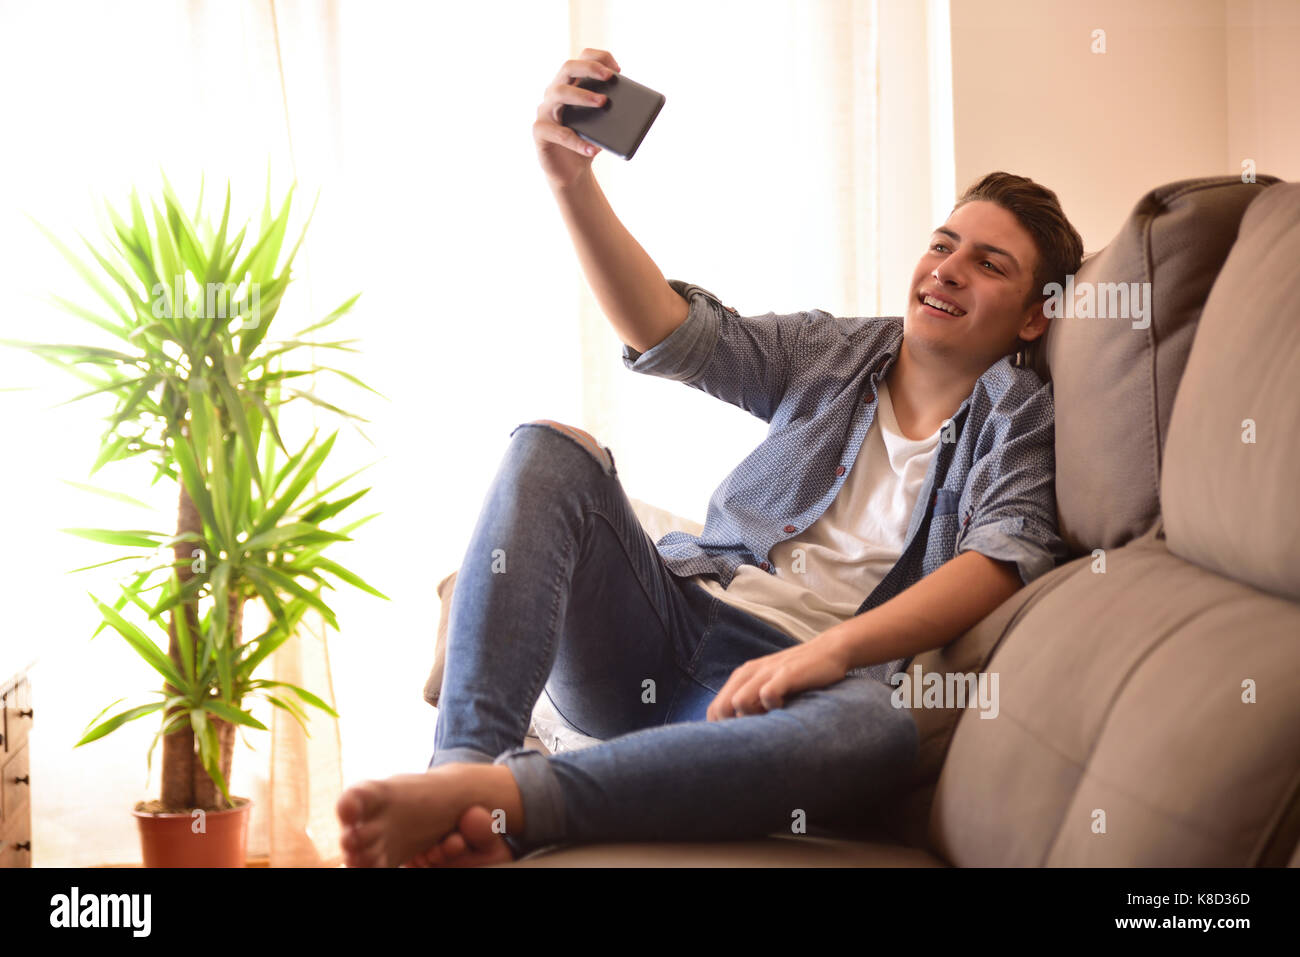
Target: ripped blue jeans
(562,592)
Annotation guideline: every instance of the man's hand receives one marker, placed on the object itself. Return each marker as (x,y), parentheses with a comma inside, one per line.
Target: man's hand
(761,684)
(930,613)
(565,156)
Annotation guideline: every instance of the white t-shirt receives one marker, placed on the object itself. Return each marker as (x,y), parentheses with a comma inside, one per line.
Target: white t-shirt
(823,575)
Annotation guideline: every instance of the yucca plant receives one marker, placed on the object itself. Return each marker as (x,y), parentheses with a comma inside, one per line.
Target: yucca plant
(198,386)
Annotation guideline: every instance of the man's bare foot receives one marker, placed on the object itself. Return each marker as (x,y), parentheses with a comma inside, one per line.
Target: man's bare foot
(390,822)
(473,844)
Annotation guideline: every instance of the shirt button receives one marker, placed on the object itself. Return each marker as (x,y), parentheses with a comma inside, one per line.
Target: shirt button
(789,528)
(839,470)
(764,565)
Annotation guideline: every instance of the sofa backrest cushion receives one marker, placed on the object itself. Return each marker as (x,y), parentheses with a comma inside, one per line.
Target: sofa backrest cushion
(1229,487)
(1114,379)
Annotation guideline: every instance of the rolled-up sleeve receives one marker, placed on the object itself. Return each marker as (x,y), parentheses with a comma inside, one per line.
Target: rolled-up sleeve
(1010,499)
(683,354)
(743,360)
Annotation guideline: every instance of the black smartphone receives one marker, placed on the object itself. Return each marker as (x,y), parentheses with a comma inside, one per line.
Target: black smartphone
(622,121)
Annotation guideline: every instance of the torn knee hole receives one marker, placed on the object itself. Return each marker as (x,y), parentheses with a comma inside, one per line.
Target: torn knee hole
(585,439)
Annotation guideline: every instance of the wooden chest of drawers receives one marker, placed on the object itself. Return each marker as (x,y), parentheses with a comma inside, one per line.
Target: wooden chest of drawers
(15,779)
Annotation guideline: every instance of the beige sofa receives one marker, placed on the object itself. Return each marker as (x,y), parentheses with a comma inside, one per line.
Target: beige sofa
(1149,688)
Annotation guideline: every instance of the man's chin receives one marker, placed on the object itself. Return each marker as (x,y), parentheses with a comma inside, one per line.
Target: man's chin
(932,335)
(960,356)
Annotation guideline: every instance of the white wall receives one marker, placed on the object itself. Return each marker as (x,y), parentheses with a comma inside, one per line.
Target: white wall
(1185,88)
(1263,43)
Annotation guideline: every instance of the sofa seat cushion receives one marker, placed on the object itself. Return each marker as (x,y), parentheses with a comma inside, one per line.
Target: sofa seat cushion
(1148,715)
(906,815)
(801,851)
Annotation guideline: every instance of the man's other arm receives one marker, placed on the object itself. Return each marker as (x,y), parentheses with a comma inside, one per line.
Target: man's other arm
(1011,539)
(939,608)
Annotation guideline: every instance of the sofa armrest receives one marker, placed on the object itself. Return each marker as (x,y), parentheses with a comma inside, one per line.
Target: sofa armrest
(433,686)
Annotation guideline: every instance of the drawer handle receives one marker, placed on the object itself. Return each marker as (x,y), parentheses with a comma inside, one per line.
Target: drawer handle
(25,713)
(23,780)
(24,846)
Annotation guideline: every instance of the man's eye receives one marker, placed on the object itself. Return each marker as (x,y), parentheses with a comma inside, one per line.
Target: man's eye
(937,246)
(987,263)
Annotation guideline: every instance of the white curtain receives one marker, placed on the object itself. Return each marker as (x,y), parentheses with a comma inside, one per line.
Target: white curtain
(105,96)
(801,159)
(770,178)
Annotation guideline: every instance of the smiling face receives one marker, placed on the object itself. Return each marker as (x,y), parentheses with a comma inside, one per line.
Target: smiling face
(981,262)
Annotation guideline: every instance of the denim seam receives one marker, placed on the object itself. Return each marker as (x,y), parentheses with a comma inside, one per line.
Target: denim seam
(690,668)
(567,720)
(600,509)
(708,631)
(540,676)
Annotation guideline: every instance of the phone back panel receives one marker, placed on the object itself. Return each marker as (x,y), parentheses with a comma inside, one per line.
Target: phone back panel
(622,122)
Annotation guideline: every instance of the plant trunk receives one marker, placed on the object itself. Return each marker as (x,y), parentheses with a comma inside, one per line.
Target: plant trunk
(178,757)
(206,793)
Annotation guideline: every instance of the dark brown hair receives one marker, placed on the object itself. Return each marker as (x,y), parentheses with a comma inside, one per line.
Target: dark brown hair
(1036,208)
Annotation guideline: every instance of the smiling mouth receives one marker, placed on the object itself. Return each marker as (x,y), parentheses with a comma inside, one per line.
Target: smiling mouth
(940,307)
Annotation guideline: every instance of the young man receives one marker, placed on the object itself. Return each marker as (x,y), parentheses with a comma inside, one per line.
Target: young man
(739,679)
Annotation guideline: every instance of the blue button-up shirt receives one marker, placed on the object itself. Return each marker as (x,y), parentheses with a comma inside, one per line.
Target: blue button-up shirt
(814,379)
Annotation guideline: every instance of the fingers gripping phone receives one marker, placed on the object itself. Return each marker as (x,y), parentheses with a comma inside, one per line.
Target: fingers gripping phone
(622,121)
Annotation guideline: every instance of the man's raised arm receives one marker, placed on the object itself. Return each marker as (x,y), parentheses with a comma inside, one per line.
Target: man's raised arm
(630,289)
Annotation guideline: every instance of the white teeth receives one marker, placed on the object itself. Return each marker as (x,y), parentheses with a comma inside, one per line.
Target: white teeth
(939,304)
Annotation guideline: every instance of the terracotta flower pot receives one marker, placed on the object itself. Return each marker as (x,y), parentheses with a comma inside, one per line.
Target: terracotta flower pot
(195,838)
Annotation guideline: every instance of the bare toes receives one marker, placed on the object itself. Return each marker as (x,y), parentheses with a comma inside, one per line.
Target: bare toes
(482,844)
(356,805)
(453,845)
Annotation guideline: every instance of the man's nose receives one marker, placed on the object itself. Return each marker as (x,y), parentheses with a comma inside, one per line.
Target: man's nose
(948,273)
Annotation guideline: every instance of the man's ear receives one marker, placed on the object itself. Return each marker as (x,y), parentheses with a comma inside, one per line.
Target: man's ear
(1035,323)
